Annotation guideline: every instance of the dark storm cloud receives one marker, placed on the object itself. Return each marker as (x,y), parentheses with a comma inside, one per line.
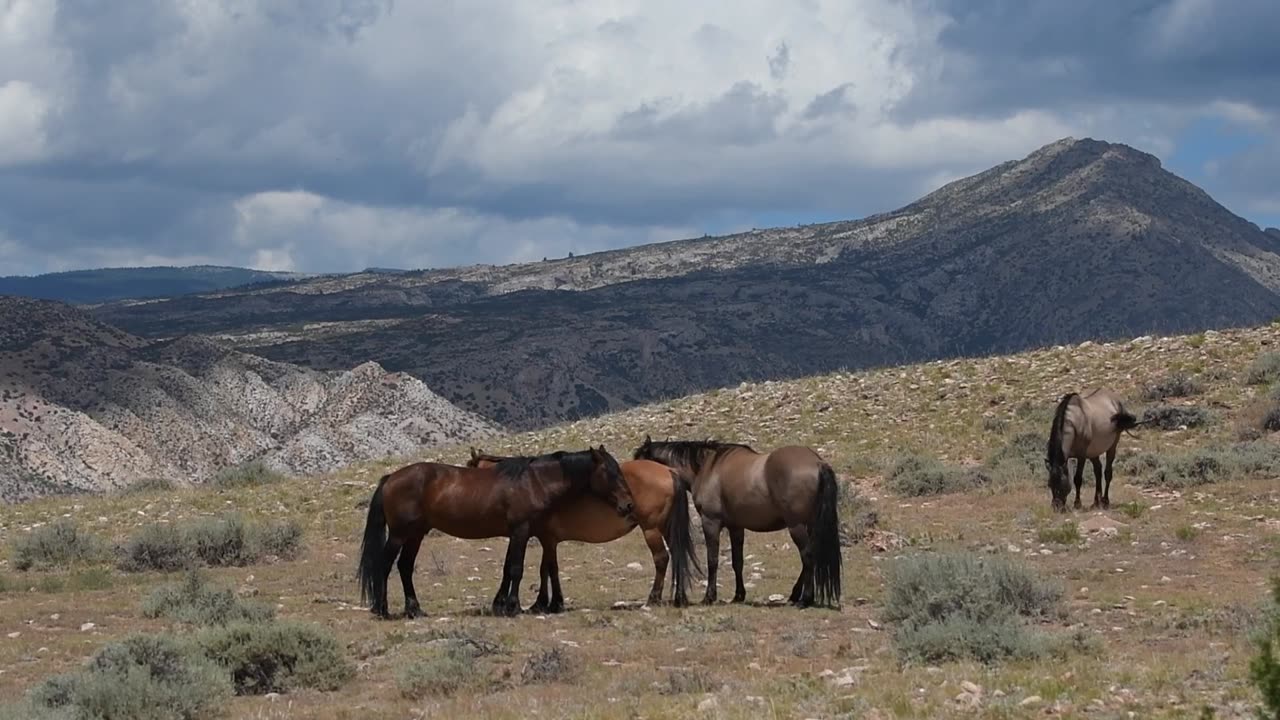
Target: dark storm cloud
(1003,54)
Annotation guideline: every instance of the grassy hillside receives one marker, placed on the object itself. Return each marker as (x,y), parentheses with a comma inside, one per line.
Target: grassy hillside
(1157,596)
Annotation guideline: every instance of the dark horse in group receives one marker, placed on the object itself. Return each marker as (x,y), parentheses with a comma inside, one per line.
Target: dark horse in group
(506,499)
(662,512)
(737,488)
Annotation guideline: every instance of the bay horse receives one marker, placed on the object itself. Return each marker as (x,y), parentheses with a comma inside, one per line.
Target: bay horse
(661,510)
(1084,428)
(738,488)
(474,503)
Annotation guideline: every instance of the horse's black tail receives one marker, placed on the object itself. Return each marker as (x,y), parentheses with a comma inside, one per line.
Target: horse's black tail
(1125,420)
(372,577)
(824,539)
(680,538)
(1054,452)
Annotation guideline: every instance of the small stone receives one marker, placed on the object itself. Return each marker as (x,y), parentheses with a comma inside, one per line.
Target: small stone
(14,635)
(844,680)
(1030,700)
(709,704)
(272,696)
(87,627)
(339,557)
(873,624)
(635,566)
(971,688)
(1165,579)
(775,598)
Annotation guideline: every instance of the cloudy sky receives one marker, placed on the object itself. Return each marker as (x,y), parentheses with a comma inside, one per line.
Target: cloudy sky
(328,135)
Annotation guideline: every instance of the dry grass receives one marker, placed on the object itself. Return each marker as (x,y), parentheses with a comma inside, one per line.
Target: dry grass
(1156,608)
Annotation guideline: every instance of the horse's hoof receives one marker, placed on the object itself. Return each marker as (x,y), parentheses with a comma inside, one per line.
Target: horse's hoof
(414,612)
(708,600)
(739,599)
(555,609)
(538,608)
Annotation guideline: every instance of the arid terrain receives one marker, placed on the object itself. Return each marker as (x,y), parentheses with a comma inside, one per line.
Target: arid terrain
(1158,594)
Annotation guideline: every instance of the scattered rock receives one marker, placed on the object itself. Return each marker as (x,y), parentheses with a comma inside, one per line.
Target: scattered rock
(634,566)
(1030,700)
(709,704)
(87,627)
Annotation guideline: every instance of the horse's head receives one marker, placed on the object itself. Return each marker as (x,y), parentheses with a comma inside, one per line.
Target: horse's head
(608,484)
(645,451)
(1059,480)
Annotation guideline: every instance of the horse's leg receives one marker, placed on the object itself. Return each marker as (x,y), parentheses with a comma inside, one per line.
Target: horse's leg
(389,552)
(661,559)
(1097,482)
(711,534)
(557,597)
(1106,492)
(543,601)
(737,537)
(802,591)
(407,557)
(513,570)
(1079,480)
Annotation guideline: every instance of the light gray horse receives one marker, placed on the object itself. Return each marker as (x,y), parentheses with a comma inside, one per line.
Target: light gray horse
(1084,428)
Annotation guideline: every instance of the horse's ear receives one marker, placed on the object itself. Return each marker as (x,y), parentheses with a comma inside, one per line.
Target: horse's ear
(648,440)
(473,453)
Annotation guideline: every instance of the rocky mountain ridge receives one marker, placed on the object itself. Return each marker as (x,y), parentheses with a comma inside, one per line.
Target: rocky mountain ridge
(84,406)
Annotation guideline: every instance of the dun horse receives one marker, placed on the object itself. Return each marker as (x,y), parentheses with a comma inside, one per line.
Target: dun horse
(737,488)
(1084,428)
(661,509)
(474,503)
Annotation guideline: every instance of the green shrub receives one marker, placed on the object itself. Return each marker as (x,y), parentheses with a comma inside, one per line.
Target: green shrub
(59,544)
(282,539)
(223,541)
(1019,459)
(550,666)
(277,656)
(918,475)
(1068,533)
(963,605)
(1264,667)
(148,485)
(1173,417)
(227,541)
(857,516)
(194,601)
(442,670)
(157,547)
(1207,465)
(1175,385)
(254,473)
(1264,370)
(143,677)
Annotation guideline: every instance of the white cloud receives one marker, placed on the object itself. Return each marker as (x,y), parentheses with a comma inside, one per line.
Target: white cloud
(337,133)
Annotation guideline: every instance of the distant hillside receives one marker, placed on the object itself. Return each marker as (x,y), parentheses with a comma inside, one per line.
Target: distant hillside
(84,406)
(107,284)
(1080,240)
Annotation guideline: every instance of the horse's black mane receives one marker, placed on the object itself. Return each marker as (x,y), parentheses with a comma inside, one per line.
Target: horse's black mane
(576,465)
(691,452)
(1054,453)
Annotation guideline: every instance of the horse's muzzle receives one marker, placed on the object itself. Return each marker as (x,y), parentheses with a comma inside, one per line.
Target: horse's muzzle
(627,510)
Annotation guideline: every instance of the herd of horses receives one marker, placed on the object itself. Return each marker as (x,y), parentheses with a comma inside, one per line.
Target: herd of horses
(588,496)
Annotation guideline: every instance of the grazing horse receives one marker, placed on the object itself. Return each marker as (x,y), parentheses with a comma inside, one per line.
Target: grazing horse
(1085,427)
(474,503)
(662,511)
(737,488)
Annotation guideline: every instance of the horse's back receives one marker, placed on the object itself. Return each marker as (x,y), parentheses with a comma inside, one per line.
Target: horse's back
(1089,430)
(459,501)
(652,488)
